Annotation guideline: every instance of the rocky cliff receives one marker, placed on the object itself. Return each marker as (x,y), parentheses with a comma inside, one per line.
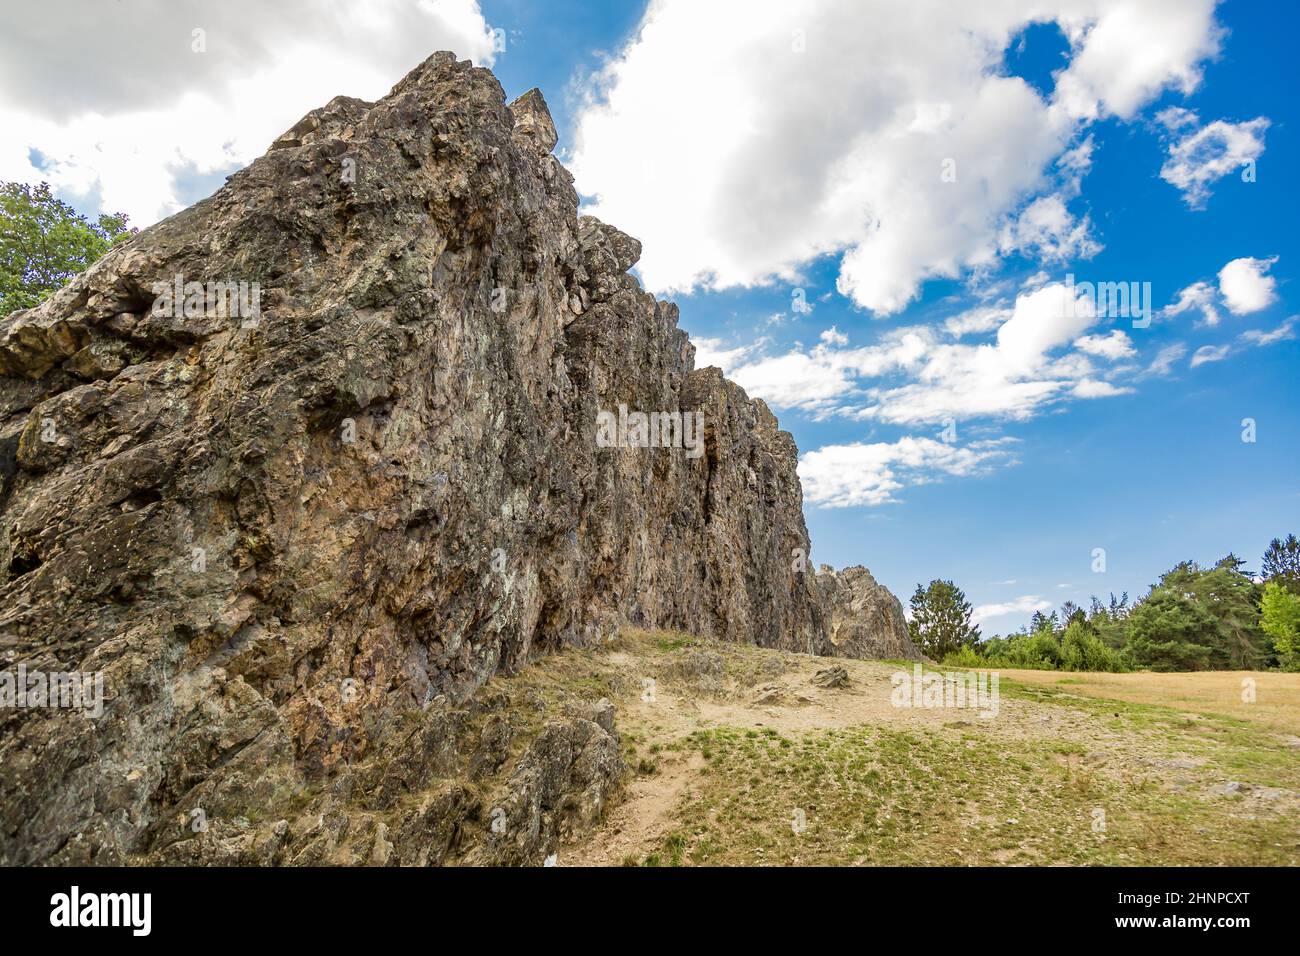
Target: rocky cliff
(866,618)
(299,469)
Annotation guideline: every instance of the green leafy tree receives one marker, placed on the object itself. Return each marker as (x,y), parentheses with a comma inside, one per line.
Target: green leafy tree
(44,242)
(1280,620)
(1282,563)
(941,620)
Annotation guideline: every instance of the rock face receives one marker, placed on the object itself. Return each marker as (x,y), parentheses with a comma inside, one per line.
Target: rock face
(866,618)
(297,525)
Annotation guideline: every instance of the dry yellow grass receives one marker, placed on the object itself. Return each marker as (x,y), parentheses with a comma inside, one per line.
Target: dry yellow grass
(739,758)
(1276,705)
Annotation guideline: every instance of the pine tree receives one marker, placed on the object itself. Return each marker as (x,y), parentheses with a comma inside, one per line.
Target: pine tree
(941,620)
(1200,619)
(1282,563)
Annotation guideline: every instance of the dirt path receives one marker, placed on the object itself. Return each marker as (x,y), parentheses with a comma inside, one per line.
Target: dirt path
(640,823)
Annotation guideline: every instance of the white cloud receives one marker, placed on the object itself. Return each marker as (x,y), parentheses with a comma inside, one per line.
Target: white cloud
(1112,347)
(1200,296)
(1047,229)
(816,380)
(1175,118)
(1283,333)
(1210,353)
(834,336)
(714,352)
(1166,359)
(1043,320)
(1093,388)
(123,109)
(1025,604)
(842,476)
(1207,154)
(1011,378)
(980,319)
(1244,286)
(810,381)
(801,131)
(1133,51)
(1025,368)
(1217,353)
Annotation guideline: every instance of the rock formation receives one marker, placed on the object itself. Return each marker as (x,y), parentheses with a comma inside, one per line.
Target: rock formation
(866,618)
(297,523)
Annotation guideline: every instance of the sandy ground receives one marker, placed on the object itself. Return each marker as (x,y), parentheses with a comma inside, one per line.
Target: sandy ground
(775,690)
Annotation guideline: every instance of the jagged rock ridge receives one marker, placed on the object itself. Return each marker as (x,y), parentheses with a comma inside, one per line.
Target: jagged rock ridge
(867,620)
(296,541)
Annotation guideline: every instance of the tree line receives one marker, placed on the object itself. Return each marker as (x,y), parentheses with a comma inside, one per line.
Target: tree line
(1195,618)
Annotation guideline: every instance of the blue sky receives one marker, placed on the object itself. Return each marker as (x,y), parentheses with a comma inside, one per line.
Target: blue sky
(766,147)
(1155,476)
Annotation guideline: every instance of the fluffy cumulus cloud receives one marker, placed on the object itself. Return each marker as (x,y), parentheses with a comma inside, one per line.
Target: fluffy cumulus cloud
(1038,355)
(826,377)
(1010,377)
(841,476)
(1112,347)
(181,96)
(1046,229)
(1245,285)
(740,139)
(976,320)
(1203,154)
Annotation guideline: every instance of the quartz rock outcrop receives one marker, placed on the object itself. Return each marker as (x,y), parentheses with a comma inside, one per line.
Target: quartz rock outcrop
(866,618)
(297,523)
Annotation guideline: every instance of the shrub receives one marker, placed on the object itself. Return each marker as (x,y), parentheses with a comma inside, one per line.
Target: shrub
(965,657)
(1082,650)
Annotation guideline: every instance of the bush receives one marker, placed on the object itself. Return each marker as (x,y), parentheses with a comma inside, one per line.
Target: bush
(1077,648)
(1043,648)
(966,657)
(1082,650)
(1281,622)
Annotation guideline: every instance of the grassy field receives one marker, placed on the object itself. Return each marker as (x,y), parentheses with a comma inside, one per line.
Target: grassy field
(740,759)
(1270,700)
